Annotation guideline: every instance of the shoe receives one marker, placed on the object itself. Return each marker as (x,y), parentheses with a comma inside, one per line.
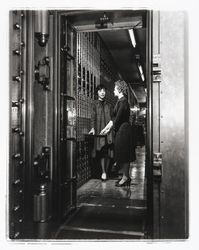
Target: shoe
(104,177)
(118,181)
(125,183)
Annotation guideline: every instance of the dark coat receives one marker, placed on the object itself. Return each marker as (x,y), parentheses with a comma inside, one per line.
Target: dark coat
(123,144)
(100,116)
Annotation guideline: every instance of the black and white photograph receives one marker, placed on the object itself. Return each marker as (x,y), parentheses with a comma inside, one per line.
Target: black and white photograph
(98,125)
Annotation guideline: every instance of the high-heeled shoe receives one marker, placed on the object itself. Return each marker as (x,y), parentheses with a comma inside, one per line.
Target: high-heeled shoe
(118,181)
(125,183)
(104,177)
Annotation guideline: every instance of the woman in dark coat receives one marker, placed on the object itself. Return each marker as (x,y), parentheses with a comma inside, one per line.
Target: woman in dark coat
(101,114)
(123,132)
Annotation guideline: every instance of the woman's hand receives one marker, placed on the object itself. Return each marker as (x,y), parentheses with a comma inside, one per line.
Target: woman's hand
(107,129)
(92,131)
(104,131)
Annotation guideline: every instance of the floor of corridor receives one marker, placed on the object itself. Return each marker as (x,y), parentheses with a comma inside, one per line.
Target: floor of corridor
(109,212)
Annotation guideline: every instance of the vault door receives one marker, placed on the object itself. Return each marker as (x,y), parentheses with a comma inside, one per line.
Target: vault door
(67,93)
(17,122)
(170,138)
(42,141)
(149,125)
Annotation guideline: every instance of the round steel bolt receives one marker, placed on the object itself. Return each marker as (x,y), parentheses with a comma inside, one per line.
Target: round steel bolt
(17,26)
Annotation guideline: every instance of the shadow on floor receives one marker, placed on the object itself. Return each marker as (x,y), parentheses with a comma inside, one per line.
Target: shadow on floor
(91,222)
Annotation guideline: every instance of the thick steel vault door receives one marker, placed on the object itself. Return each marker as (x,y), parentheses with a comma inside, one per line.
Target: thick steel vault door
(42,175)
(31,119)
(170,136)
(67,116)
(18,50)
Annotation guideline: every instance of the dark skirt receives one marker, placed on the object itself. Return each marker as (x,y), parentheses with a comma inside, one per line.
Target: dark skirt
(124,146)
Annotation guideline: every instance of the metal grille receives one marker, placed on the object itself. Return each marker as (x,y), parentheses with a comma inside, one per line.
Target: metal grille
(88,77)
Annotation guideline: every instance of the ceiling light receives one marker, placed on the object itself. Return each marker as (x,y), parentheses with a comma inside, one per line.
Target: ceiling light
(132,36)
(141,72)
(142,76)
(140,69)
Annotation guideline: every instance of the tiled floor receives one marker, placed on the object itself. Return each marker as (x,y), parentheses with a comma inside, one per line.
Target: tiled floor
(109,212)
(96,192)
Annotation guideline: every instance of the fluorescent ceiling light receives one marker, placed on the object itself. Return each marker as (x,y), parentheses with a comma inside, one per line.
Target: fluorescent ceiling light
(141,72)
(132,36)
(142,76)
(140,69)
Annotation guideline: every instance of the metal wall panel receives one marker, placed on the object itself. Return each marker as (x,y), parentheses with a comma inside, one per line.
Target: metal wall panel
(156,85)
(173,188)
(149,134)
(156,126)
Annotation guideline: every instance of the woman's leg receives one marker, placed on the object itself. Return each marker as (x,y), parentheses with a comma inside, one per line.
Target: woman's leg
(103,177)
(103,165)
(126,169)
(107,162)
(125,172)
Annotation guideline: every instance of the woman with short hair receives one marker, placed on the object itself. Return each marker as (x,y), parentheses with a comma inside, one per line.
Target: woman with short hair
(101,114)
